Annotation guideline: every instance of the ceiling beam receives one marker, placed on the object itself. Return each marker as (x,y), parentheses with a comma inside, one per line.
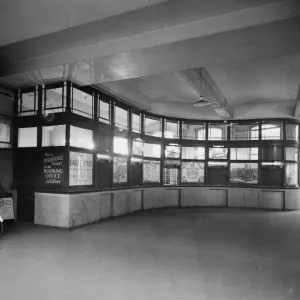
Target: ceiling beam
(206,87)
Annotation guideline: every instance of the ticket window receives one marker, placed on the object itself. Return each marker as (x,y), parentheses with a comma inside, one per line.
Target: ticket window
(217,173)
(272,175)
(171,172)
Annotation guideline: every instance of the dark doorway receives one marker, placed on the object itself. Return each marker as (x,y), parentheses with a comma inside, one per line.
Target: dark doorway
(26,176)
(272,176)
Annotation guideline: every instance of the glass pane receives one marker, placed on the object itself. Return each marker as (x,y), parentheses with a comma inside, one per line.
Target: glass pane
(172,152)
(121,118)
(271,131)
(153,127)
(271,153)
(244,153)
(244,173)
(54,100)
(291,174)
(81,168)
(152,150)
(171,130)
(244,132)
(104,112)
(193,152)
(136,123)
(151,171)
(81,138)
(82,104)
(120,170)
(171,176)
(5,130)
(217,132)
(28,104)
(27,137)
(54,135)
(120,145)
(137,147)
(217,153)
(192,172)
(292,132)
(291,153)
(193,132)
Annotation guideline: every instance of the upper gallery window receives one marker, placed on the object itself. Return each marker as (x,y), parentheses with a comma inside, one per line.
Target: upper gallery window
(104,111)
(244,132)
(82,103)
(193,131)
(271,131)
(153,126)
(121,118)
(54,99)
(27,105)
(171,129)
(217,132)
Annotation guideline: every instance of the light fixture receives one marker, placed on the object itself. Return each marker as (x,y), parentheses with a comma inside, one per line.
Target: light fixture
(201,102)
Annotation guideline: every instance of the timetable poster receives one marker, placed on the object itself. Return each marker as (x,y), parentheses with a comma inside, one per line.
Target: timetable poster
(81,168)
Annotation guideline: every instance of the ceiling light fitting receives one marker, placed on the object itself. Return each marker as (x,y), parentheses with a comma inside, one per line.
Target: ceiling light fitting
(201,102)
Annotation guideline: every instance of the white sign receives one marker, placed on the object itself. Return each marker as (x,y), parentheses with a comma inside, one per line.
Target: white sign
(81,169)
(6,208)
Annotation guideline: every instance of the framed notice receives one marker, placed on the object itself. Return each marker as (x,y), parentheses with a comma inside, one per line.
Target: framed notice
(81,168)
(53,167)
(192,172)
(6,208)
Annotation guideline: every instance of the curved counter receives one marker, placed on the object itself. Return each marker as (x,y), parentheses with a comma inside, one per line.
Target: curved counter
(72,210)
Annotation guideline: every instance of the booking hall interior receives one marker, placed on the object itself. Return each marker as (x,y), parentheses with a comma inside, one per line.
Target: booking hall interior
(185,109)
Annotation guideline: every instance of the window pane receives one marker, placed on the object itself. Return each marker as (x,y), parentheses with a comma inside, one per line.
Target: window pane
(120,145)
(104,112)
(81,168)
(137,147)
(120,170)
(121,118)
(54,100)
(153,127)
(292,132)
(82,103)
(27,106)
(217,132)
(244,153)
(192,172)
(244,173)
(54,135)
(171,130)
(172,152)
(151,171)
(193,132)
(244,132)
(193,152)
(271,131)
(5,130)
(81,138)
(136,123)
(291,174)
(291,153)
(271,153)
(152,150)
(27,137)
(217,153)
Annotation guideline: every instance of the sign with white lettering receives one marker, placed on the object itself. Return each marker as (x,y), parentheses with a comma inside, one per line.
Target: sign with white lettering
(81,168)
(53,167)
(6,208)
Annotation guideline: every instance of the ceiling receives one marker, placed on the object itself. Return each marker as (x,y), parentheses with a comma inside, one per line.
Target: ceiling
(150,53)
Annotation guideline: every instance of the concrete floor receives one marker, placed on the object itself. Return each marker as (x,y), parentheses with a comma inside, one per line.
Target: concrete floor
(189,254)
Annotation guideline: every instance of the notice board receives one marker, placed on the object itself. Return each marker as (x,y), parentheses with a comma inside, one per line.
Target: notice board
(53,167)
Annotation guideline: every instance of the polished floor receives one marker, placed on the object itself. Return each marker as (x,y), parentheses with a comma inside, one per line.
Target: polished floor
(189,254)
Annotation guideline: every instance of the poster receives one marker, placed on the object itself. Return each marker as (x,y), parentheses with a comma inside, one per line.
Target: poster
(53,167)
(120,170)
(6,208)
(244,173)
(81,168)
(192,172)
(151,171)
